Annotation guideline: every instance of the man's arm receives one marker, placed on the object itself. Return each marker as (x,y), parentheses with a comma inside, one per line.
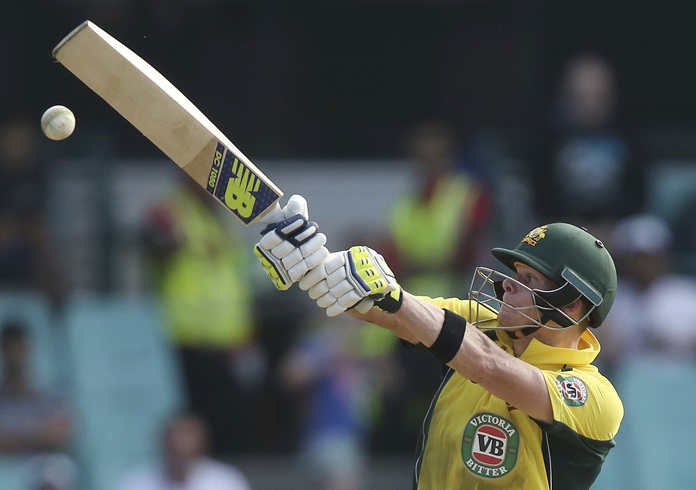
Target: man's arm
(356,279)
(479,358)
(386,320)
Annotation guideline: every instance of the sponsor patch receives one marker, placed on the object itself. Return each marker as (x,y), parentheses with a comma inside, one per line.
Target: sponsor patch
(572,390)
(490,445)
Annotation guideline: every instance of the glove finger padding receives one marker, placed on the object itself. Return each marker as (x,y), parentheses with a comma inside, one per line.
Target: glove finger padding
(315,280)
(365,305)
(305,264)
(290,248)
(349,299)
(296,205)
(326,300)
(318,290)
(335,310)
(357,278)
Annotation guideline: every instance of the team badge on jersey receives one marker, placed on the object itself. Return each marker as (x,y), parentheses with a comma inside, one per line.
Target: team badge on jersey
(490,445)
(535,235)
(572,389)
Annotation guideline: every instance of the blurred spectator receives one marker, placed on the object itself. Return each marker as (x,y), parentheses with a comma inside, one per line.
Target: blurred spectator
(199,271)
(32,420)
(339,372)
(649,293)
(26,260)
(439,230)
(591,172)
(684,228)
(184,464)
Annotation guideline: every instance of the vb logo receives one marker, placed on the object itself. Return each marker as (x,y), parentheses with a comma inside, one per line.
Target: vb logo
(490,445)
(239,195)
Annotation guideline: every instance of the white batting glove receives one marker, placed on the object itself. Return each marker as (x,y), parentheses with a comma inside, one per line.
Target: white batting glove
(357,278)
(291,247)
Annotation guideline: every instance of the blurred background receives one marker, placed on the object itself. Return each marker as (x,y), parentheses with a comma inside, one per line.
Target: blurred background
(139,333)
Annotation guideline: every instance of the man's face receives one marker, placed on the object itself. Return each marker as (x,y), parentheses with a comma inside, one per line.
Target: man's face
(519,298)
(184,442)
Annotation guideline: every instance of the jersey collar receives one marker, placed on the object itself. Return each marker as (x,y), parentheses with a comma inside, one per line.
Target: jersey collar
(545,356)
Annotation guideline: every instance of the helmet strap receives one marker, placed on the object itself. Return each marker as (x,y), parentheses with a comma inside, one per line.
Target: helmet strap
(557,299)
(523,332)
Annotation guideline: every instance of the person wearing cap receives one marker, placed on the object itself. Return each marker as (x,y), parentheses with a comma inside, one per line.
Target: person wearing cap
(520,404)
(651,289)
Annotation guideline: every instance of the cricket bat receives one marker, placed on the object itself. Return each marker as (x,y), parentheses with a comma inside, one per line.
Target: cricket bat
(146,99)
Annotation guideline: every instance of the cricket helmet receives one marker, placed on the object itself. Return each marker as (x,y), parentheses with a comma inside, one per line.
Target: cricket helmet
(575,260)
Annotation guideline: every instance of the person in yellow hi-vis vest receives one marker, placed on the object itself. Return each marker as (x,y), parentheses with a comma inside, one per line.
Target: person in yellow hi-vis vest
(437,231)
(200,274)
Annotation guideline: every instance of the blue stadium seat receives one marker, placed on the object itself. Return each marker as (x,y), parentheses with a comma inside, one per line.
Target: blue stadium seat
(655,443)
(125,382)
(14,474)
(48,365)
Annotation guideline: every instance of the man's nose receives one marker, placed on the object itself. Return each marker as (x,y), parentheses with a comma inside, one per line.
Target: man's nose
(509,285)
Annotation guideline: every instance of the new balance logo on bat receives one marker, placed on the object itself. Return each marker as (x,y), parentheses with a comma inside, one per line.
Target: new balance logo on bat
(237,187)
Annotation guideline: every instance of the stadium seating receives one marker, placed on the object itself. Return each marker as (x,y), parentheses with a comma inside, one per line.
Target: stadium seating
(34,311)
(124,383)
(654,445)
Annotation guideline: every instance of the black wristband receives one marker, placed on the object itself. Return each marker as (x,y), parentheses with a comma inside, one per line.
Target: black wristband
(450,338)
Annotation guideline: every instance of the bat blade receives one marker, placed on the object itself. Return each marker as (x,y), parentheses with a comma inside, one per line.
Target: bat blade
(146,99)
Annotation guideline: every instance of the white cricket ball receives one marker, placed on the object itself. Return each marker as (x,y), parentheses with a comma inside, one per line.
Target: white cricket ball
(58,122)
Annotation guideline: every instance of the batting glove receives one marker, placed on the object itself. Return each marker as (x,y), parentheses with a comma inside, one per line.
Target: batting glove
(357,278)
(290,248)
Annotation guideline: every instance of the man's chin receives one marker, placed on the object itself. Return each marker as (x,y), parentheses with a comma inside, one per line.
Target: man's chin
(512,320)
(508,319)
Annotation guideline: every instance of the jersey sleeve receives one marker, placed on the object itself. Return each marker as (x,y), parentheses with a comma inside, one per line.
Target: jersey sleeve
(587,413)
(584,403)
(462,307)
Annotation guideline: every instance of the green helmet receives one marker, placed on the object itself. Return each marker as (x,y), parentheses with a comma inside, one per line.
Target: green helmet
(569,254)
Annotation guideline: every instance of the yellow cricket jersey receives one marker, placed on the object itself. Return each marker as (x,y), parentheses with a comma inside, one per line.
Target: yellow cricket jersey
(474,440)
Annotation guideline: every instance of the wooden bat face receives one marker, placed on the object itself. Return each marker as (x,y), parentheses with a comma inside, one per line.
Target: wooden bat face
(146,99)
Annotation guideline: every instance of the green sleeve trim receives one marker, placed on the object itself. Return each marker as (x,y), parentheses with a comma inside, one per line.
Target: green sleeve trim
(423,437)
(573,461)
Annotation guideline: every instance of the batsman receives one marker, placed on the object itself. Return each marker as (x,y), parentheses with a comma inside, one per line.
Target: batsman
(520,404)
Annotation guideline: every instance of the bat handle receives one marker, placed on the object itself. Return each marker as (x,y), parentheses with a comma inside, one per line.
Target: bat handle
(274,214)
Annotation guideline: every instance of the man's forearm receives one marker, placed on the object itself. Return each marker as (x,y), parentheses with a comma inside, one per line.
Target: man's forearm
(416,321)
(476,358)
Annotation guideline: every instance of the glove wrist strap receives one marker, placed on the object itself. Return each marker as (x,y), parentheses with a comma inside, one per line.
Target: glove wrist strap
(391,303)
(450,338)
